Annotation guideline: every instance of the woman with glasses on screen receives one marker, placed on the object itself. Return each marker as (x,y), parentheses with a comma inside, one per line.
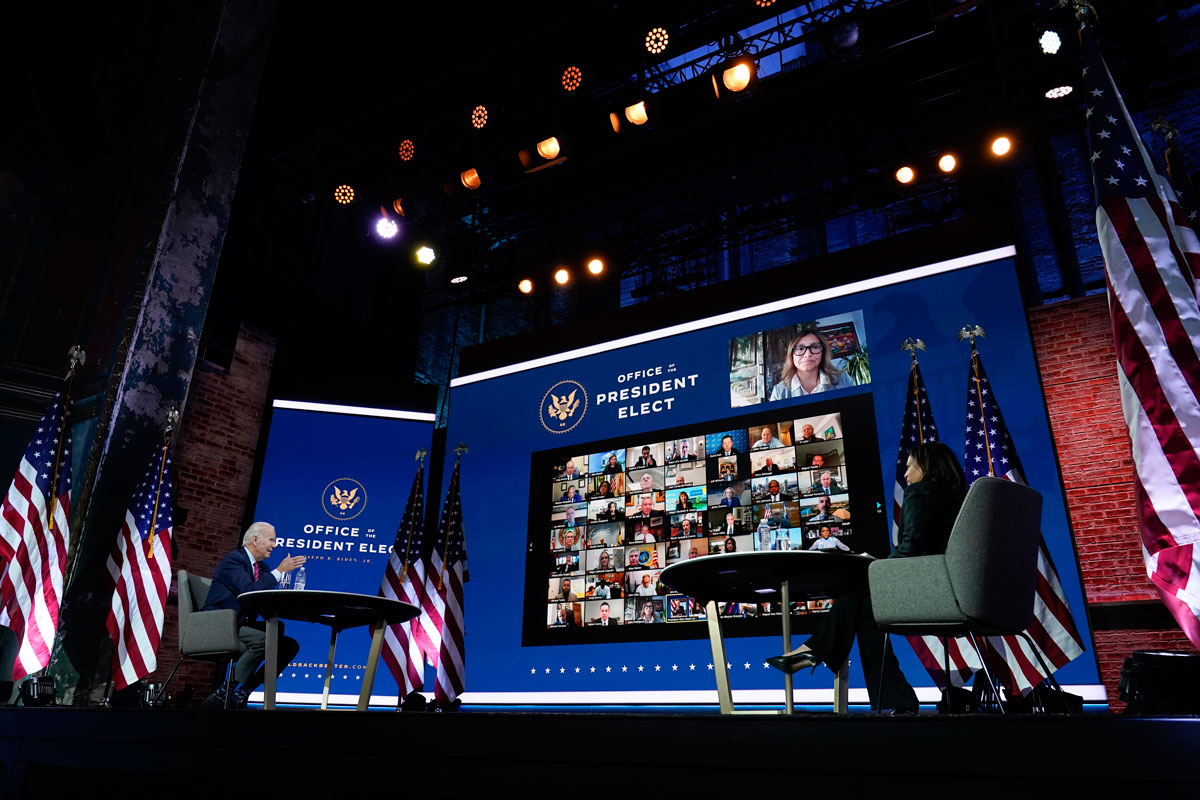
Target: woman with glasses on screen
(809,369)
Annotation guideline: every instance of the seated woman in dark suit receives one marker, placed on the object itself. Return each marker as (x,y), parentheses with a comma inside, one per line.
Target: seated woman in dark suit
(935,492)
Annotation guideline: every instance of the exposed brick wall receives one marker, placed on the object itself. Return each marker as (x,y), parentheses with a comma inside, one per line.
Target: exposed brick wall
(214,458)
(1073,341)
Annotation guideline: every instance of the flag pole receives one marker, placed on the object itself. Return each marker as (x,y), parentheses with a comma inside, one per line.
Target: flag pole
(408,545)
(172,421)
(459,449)
(912,346)
(76,356)
(971,332)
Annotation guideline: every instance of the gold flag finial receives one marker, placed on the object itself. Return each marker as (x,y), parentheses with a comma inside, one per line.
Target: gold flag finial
(971,332)
(420,456)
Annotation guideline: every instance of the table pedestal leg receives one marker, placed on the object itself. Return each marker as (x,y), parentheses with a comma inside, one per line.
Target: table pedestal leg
(841,689)
(724,694)
(364,696)
(271,667)
(785,596)
(333,634)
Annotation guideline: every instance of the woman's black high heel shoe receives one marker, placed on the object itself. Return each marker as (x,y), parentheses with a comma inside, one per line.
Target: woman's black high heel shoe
(794,662)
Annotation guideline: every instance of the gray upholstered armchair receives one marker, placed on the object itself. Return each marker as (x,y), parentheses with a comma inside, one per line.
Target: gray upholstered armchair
(984,584)
(207,635)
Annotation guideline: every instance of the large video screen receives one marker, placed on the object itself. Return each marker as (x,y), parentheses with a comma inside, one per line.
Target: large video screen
(610,516)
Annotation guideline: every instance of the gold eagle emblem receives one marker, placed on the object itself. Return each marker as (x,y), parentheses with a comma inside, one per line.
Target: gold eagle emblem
(563,407)
(344,499)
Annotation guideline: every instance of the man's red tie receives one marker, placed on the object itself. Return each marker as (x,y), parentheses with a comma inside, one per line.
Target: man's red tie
(255,570)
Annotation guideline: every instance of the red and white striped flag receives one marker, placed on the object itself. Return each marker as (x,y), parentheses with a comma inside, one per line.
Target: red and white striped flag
(139,573)
(33,538)
(916,428)
(990,451)
(1151,259)
(404,579)
(448,570)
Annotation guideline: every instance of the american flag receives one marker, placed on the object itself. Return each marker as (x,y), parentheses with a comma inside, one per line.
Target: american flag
(33,541)
(139,573)
(918,427)
(448,573)
(990,451)
(404,580)
(1151,258)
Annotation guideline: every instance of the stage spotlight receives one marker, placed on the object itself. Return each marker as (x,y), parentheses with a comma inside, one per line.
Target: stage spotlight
(479,117)
(656,40)
(571,78)
(1059,92)
(470,179)
(1050,42)
(947,163)
(595,266)
(548,148)
(1001,146)
(562,276)
(386,228)
(764,3)
(737,77)
(526,286)
(844,37)
(636,113)
(736,74)
(344,195)
(906,174)
(398,206)
(407,150)
(425,255)
(459,279)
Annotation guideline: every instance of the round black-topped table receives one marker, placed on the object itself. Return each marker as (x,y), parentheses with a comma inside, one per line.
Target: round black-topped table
(768,576)
(338,610)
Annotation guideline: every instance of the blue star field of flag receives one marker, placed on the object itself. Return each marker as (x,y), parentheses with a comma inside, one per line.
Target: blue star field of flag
(451,530)
(1118,166)
(918,425)
(141,505)
(409,545)
(989,448)
(43,448)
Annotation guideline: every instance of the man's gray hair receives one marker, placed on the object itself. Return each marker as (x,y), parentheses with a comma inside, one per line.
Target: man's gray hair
(262,529)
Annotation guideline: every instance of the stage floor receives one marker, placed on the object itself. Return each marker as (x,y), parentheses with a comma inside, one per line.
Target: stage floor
(50,752)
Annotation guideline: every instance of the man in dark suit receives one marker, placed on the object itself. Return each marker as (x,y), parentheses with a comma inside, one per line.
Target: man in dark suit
(826,484)
(245,570)
(605,620)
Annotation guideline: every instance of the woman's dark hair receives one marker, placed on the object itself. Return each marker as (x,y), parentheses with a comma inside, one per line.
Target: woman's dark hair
(789,366)
(940,466)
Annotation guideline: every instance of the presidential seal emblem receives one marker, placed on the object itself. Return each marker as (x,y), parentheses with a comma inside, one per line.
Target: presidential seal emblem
(563,406)
(344,498)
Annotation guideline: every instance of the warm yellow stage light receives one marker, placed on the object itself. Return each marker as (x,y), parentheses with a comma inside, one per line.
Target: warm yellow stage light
(614,119)
(407,150)
(548,148)
(470,179)
(571,78)
(737,77)
(595,266)
(636,113)
(344,194)
(425,255)
(562,277)
(905,174)
(656,40)
(398,206)
(526,286)
(1001,145)
(947,163)
(479,116)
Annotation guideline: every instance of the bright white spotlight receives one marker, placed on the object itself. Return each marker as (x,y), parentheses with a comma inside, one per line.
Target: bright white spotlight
(386,228)
(1001,145)
(459,279)
(595,266)
(526,286)
(426,255)
(561,277)
(947,163)
(1050,42)
(906,174)
(1059,92)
